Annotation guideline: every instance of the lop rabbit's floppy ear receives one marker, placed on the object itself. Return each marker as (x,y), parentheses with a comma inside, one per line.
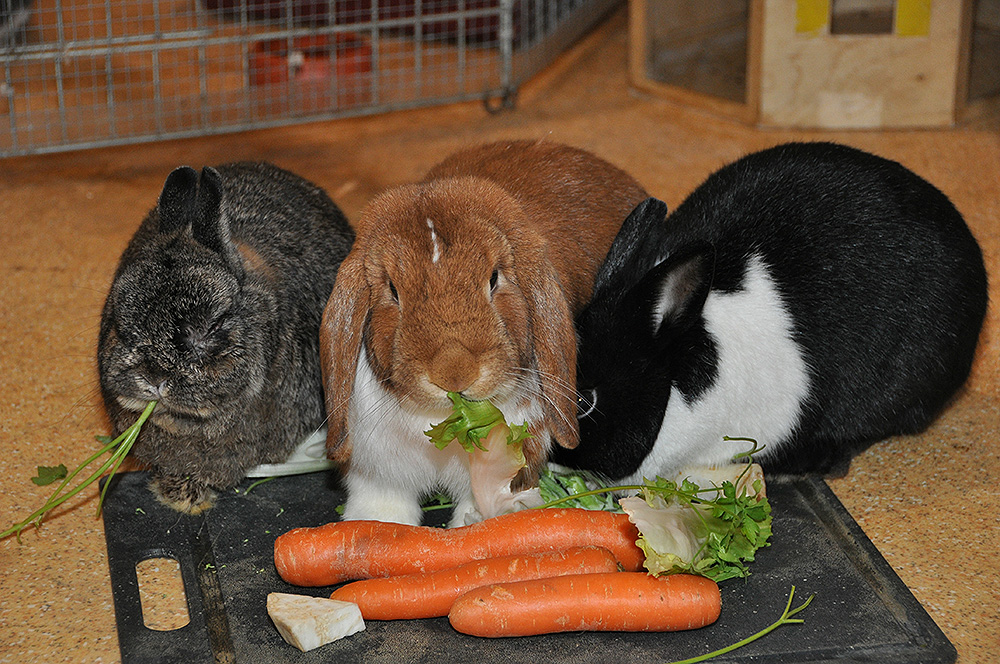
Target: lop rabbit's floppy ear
(341,333)
(554,343)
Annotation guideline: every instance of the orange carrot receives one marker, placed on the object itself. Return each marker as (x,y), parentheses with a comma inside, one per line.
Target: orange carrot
(431,594)
(346,550)
(619,602)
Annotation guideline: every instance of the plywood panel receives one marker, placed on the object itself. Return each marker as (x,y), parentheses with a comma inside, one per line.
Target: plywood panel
(696,53)
(815,79)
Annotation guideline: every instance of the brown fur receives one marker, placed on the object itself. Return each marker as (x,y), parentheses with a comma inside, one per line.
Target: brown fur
(540,213)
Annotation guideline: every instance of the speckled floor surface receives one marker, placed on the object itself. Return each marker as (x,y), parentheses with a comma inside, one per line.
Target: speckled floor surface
(929,502)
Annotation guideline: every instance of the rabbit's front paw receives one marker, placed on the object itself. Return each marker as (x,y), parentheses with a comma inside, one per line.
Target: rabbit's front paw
(183,493)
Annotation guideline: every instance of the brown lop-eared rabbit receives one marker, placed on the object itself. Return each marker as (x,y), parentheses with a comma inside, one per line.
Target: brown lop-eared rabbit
(468,282)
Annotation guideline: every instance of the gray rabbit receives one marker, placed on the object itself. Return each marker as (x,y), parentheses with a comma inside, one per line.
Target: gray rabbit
(214,313)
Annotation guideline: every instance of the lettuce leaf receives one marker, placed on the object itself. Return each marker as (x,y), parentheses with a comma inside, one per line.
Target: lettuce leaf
(496,454)
(713,531)
(471,422)
(577,488)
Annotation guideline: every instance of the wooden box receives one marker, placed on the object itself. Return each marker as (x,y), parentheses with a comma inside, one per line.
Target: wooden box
(831,64)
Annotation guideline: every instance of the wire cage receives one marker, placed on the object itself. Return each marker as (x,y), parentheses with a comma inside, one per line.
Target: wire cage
(87,73)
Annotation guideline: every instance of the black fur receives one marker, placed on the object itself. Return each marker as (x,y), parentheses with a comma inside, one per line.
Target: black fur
(214,311)
(882,278)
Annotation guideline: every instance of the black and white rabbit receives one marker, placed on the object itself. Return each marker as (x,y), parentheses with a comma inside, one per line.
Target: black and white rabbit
(214,313)
(812,296)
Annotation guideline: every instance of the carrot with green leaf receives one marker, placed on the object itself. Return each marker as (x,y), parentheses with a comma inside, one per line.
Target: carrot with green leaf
(713,526)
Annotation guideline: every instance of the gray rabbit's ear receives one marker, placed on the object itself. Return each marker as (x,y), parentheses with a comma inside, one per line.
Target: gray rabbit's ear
(209,225)
(179,199)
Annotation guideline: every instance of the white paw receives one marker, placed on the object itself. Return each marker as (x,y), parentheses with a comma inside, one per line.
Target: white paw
(464,514)
(394,509)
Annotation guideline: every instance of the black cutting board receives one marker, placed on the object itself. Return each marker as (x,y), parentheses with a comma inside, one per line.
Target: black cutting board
(862,612)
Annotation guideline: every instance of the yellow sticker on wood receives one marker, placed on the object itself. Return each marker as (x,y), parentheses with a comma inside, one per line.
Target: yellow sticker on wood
(811,16)
(913,18)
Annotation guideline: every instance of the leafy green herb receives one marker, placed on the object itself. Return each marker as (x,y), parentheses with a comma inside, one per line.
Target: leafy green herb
(577,488)
(256,484)
(785,619)
(49,474)
(713,531)
(470,423)
(437,501)
(119,448)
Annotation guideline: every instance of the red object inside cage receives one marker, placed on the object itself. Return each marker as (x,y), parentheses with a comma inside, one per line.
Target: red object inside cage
(314,66)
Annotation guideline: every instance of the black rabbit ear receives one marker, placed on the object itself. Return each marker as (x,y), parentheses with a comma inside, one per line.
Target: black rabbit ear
(633,250)
(674,291)
(179,199)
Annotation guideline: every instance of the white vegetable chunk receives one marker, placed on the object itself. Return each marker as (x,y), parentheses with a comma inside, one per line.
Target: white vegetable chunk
(310,622)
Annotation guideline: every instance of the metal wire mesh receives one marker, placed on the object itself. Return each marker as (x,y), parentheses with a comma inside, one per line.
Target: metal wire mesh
(86,73)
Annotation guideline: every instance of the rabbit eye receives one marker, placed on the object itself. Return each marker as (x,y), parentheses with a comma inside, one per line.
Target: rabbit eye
(494,279)
(586,403)
(393,292)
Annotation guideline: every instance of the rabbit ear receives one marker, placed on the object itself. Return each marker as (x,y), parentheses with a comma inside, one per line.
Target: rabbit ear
(209,226)
(634,248)
(554,342)
(178,202)
(341,334)
(674,292)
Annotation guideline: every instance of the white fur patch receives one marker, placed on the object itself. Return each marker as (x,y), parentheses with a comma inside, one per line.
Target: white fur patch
(436,255)
(394,464)
(762,381)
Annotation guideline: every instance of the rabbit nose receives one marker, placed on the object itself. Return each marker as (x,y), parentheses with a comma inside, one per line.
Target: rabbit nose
(153,386)
(453,369)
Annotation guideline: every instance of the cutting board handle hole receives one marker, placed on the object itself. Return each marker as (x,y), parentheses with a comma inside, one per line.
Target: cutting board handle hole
(161,593)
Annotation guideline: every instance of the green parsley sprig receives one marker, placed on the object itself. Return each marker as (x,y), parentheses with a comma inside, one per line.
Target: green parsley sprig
(785,619)
(118,447)
(710,531)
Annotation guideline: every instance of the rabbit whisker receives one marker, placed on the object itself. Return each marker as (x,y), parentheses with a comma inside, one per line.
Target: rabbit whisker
(377,413)
(564,389)
(530,380)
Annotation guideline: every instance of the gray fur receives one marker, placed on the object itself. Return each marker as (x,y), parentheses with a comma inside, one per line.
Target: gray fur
(214,312)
